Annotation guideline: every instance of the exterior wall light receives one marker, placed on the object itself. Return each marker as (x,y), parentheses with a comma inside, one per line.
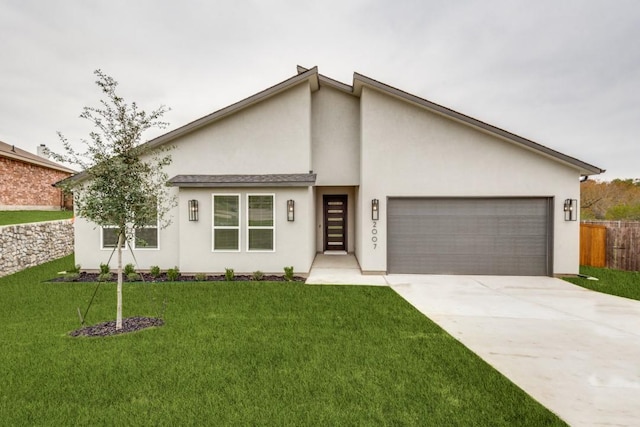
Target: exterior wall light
(193,210)
(290,210)
(375,209)
(570,208)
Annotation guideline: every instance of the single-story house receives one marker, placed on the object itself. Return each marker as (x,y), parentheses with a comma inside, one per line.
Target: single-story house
(312,165)
(27,180)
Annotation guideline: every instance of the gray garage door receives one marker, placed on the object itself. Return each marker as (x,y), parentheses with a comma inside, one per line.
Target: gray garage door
(502,236)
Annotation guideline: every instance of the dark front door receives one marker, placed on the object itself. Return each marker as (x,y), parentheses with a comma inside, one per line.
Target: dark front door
(335,222)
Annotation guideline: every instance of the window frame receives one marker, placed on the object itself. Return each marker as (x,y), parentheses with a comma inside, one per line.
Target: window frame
(132,241)
(257,227)
(225,227)
(146,248)
(109,248)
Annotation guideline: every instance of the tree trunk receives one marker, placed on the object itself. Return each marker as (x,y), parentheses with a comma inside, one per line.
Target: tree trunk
(119,291)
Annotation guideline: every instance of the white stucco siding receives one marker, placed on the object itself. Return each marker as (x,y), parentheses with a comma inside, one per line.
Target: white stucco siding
(408,151)
(294,240)
(89,254)
(270,137)
(335,136)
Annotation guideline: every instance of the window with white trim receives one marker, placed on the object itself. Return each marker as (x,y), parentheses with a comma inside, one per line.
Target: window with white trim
(226,222)
(109,237)
(143,238)
(260,222)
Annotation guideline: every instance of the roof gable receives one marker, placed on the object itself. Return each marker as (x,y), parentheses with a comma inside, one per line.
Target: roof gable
(360,81)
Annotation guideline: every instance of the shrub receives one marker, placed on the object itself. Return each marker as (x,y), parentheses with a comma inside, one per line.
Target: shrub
(200,277)
(154,271)
(288,273)
(133,277)
(258,275)
(173,274)
(129,269)
(75,269)
(104,268)
(104,277)
(229,275)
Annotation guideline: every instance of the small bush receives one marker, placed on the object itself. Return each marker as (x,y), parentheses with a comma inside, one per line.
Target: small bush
(258,275)
(154,271)
(129,269)
(104,277)
(71,276)
(288,273)
(200,277)
(229,275)
(133,277)
(105,269)
(75,269)
(173,274)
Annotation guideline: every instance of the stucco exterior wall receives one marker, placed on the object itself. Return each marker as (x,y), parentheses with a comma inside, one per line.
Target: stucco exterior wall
(335,137)
(271,137)
(294,244)
(408,151)
(28,186)
(89,254)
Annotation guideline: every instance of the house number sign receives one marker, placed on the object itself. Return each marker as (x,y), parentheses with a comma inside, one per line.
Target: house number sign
(374,234)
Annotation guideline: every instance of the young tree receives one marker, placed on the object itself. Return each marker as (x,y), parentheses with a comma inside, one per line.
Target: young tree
(122,184)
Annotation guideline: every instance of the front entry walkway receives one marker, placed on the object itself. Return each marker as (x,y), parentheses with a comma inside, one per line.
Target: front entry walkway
(340,269)
(575,351)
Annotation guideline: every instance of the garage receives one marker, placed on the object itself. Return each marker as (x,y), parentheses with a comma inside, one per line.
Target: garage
(484,236)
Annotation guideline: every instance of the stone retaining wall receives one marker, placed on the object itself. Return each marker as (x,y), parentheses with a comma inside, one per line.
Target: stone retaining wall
(28,245)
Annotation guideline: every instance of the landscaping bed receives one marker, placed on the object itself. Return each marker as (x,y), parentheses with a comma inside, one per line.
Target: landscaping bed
(163,277)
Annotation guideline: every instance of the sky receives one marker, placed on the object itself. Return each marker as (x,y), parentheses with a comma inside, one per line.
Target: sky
(563,73)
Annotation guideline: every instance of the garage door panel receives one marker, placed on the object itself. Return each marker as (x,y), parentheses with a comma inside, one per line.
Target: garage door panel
(469,236)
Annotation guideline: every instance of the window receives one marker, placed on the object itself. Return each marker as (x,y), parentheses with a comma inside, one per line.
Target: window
(226,222)
(109,237)
(260,222)
(144,238)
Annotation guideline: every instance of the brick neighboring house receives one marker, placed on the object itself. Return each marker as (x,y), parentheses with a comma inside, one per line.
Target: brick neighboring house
(26,180)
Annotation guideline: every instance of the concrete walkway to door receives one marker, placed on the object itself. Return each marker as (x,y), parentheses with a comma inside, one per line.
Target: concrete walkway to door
(575,351)
(340,269)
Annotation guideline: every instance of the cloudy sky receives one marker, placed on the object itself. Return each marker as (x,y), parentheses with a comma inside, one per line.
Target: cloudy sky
(564,73)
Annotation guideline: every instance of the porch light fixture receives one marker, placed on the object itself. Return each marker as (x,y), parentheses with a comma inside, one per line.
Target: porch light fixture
(375,209)
(290,210)
(193,210)
(570,206)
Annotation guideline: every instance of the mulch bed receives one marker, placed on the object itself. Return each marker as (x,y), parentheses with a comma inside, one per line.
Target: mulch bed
(130,324)
(93,277)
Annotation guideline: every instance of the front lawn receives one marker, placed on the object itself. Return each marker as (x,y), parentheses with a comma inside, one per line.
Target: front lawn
(21,217)
(615,282)
(241,353)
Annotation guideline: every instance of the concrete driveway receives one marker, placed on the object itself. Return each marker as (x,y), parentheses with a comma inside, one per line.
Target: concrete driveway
(575,351)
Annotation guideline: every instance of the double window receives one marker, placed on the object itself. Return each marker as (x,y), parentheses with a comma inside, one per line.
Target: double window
(143,238)
(260,222)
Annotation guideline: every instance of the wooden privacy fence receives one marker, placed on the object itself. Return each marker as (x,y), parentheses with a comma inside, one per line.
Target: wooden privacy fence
(612,244)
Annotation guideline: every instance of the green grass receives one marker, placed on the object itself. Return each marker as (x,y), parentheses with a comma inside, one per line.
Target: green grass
(241,353)
(615,282)
(21,217)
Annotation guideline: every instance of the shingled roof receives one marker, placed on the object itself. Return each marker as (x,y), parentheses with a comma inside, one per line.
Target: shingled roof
(15,153)
(270,180)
